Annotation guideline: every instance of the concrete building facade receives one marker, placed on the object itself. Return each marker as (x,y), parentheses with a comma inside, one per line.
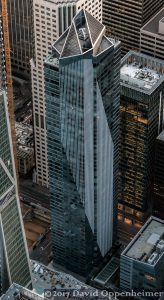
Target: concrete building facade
(152,36)
(142,261)
(82,109)
(51,19)
(124,19)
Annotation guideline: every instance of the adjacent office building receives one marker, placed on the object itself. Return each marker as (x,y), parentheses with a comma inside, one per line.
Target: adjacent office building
(124,19)
(51,19)
(21,39)
(82,110)
(158,188)
(141,109)
(152,36)
(14,265)
(142,261)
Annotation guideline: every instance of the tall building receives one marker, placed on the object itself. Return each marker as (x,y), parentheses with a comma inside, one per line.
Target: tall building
(14,266)
(142,261)
(158,188)
(21,39)
(142,87)
(51,19)
(124,19)
(152,36)
(82,109)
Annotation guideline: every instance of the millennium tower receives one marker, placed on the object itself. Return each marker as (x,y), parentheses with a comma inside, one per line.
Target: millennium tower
(51,19)
(14,265)
(82,111)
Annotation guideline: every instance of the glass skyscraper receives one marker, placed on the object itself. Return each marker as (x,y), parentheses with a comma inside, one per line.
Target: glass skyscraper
(14,265)
(82,111)
(141,108)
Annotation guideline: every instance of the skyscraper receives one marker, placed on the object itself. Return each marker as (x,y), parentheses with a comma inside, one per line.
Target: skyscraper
(82,109)
(14,265)
(21,39)
(51,19)
(158,188)
(142,87)
(124,19)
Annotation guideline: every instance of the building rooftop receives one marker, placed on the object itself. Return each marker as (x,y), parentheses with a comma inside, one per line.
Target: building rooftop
(107,272)
(153,24)
(141,72)
(24,152)
(85,34)
(44,277)
(161,136)
(17,292)
(24,134)
(148,245)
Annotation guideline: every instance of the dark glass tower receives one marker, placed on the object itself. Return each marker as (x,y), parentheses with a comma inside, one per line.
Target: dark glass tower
(21,38)
(82,109)
(158,188)
(142,87)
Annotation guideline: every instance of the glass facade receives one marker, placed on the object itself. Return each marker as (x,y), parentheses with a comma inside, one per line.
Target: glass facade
(14,265)
(158,187)
(141,114)
(82,106)
(20,28)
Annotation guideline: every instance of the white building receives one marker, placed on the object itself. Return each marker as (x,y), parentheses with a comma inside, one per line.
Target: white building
(152,36)
(142,261)
(51,18)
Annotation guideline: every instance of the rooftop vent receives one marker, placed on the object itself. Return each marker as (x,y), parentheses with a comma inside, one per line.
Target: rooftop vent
(83,34)
(161,26)
(152,258)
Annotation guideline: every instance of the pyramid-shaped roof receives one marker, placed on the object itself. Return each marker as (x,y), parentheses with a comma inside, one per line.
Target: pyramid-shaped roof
(72,45)
(94,26)
(84,34)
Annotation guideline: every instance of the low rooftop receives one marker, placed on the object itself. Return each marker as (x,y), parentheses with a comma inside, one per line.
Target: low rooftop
(24,134)
(24,152)
(141,72)
(153,24)
(17,292)
(107,272)
(148,245)
(44,277)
